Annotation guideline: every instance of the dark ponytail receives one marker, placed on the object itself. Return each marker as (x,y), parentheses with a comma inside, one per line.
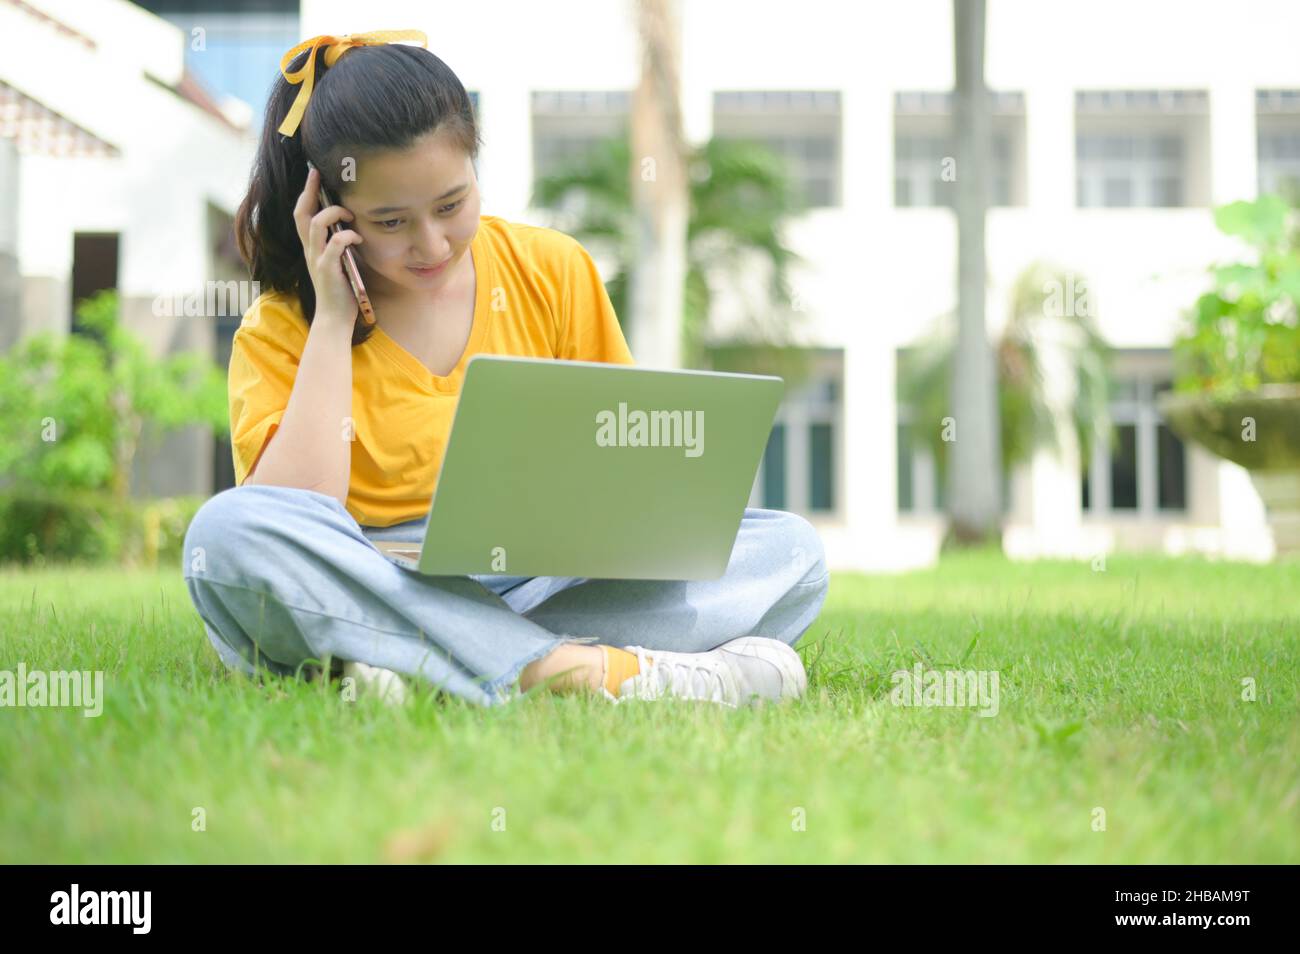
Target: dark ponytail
(374,98)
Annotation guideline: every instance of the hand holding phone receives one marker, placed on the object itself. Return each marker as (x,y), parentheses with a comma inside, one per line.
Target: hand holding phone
(349,262)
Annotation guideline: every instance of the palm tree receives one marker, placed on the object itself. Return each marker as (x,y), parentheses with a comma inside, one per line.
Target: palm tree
(1028,418)
(974,495)
(659,190)
(739,195)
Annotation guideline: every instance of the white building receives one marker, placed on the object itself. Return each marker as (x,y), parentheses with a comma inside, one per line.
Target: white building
(1118,126)
(117,170)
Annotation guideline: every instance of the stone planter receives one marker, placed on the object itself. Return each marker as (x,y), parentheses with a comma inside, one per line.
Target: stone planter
(1261,432)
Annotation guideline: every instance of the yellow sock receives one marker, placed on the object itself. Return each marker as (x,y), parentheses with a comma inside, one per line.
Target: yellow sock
(619,665)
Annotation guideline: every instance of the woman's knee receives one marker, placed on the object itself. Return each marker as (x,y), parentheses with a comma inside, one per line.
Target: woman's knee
(793,542)
(239,526)
(241,549)
(805,582)
(808,551)
(220,529)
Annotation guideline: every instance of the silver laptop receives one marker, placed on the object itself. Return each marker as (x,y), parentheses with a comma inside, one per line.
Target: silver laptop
(604,471)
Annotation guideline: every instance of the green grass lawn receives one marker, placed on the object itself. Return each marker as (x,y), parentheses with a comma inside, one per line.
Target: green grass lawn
(1120,690)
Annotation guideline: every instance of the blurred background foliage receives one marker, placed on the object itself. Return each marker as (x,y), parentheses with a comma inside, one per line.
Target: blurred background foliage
(1244,332)
(741,196)
(75,409)
(1043,297)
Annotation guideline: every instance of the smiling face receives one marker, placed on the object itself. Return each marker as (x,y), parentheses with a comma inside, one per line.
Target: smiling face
(417,207)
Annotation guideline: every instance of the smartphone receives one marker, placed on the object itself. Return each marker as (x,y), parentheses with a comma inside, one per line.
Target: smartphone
(349,260)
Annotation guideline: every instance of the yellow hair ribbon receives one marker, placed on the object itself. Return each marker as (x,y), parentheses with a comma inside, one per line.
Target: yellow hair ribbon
(335,46)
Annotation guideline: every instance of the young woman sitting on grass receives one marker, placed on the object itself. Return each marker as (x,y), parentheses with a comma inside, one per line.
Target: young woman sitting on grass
(338,427)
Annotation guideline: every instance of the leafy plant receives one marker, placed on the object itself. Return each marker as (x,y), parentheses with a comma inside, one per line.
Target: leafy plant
(1027,416)
(40,527)
(740,193)
(1244,332)
(73,407)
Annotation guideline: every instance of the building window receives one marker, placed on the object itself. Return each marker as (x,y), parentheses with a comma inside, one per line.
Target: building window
(903,460)
(1277,124)
(1171,470)
(1130,169)
(1141,149)
(1142,470)
(801,465)
(920,491)
(94,269)
(924,139)
(1123,469)
(922,488)
(774,469)
(821,467)
(239,49)
(803,127)
(568,124)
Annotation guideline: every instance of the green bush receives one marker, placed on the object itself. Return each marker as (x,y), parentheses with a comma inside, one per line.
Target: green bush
(1042,295)
(73,407)
(60,526)
(1244,333)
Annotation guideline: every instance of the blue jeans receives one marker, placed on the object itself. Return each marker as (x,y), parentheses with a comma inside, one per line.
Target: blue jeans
(284,577)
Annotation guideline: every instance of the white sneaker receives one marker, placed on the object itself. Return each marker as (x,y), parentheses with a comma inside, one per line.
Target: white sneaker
(750,670)
(374,681)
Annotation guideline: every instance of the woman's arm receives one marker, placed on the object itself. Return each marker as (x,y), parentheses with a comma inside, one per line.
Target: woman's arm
(312,448)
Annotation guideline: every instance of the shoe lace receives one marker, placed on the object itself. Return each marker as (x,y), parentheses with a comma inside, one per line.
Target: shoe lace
(693,671)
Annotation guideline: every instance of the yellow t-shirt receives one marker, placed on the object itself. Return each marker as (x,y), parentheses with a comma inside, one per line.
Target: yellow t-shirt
(538,295)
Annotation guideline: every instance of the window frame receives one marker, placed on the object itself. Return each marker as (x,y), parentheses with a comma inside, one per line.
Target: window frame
(1143,116)
(1140,411)
(818,401)
(926,117)
(787,121)
(1277,117)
